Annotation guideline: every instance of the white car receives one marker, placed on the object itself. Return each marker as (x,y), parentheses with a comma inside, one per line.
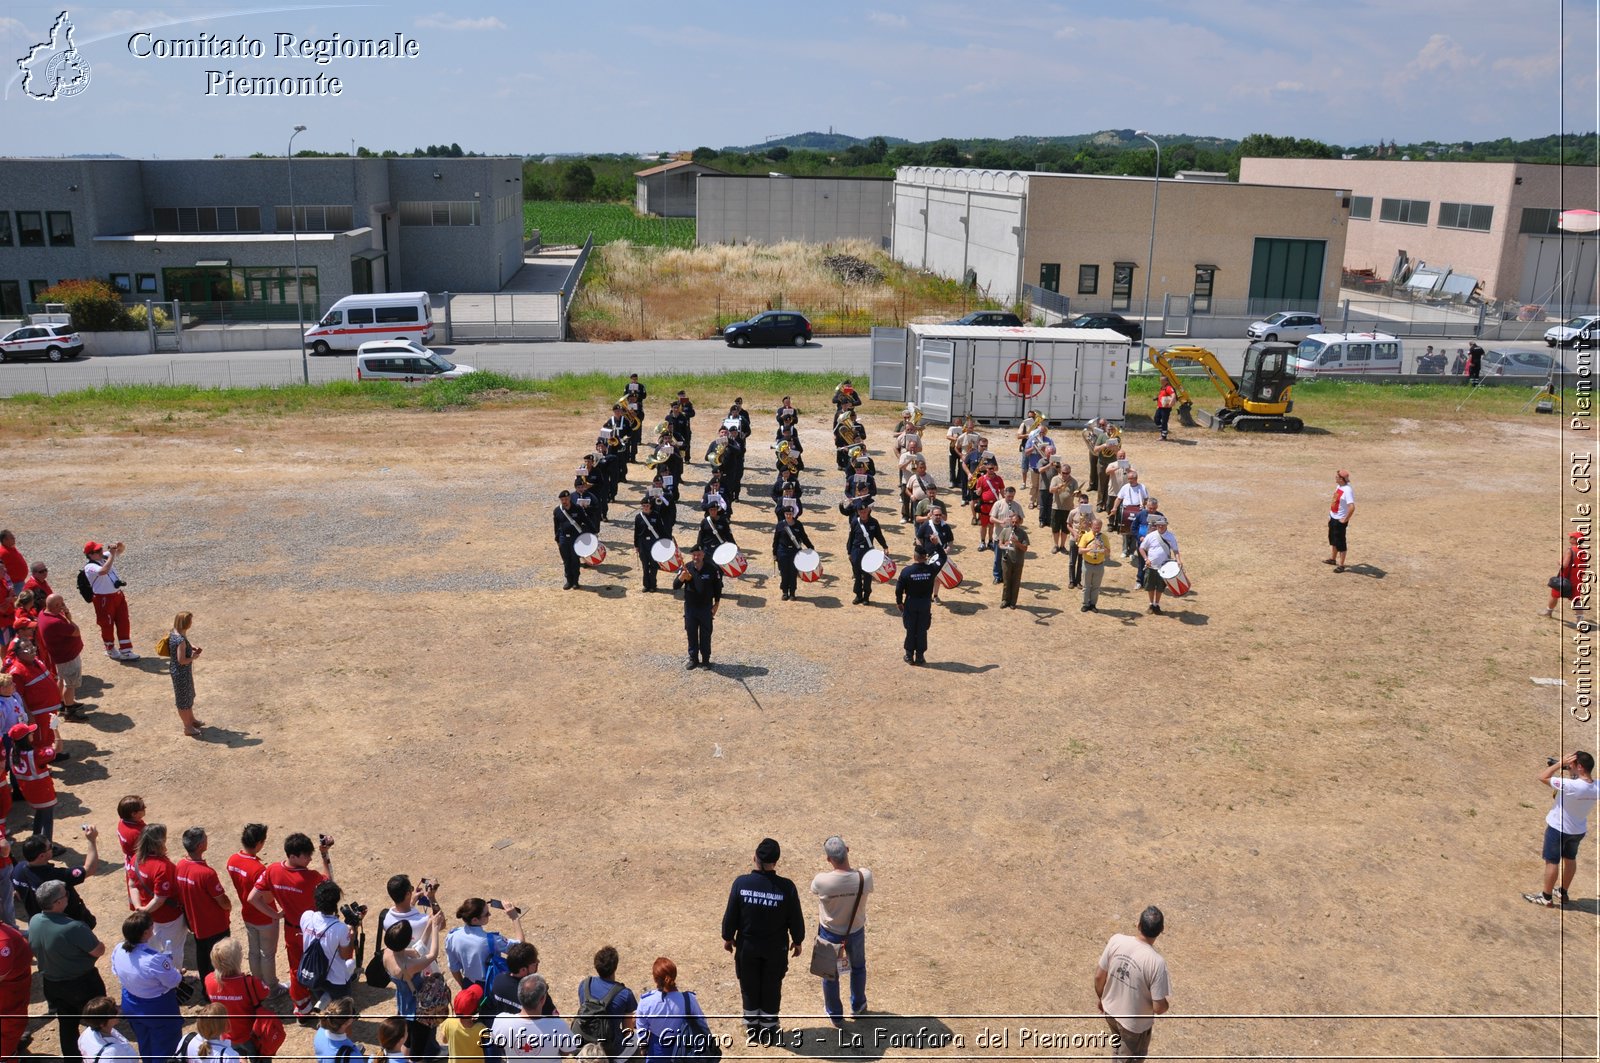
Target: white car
(54,342)
(406,361)
(1285,325)
(1579,332)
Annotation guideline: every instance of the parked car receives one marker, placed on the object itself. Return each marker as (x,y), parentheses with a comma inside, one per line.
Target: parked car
(1579,332)
(989,317)
(1519,363)
(406,361)
(1116,322)
(773,328)
(54,342)
(1285,325)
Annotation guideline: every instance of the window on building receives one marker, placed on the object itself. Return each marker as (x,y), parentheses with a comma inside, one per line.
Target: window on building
(122,282)
(317,218)
(10,299)
(1121,285)
(1088,280)
(145,283)
(1405,211)
(423,213)
(30,228)
(206,219)
(1360,207)
(1204,277)
(1465,216)
(5,229)
(36,289)
(60,225)
(1541,221)
(1050,276)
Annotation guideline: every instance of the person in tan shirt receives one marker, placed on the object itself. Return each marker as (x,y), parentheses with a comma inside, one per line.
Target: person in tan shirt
(841,890)
(1130,985)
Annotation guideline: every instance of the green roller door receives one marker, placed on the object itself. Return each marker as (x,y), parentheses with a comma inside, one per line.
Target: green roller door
(1286,275)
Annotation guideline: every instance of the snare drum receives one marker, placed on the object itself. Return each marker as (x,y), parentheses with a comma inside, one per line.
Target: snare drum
(728,558)
(880,564)
(1177,580)
(808,564)
(666,554)
(950,576)
(589,548)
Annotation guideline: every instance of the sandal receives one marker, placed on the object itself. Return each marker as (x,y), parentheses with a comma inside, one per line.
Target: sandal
(193,732)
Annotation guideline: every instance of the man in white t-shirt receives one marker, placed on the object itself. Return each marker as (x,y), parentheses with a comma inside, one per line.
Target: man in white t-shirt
(110,604)
(841,918)
(527,1034)
(411,905)
(322,925)
(1339,514)
(1566,824)
(1158,547)
(1130,984)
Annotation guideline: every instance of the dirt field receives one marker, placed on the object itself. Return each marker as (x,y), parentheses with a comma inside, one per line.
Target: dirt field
(1327,781)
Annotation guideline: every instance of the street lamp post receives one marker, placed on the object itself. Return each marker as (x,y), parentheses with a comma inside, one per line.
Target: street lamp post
(294,236)
(1150,262)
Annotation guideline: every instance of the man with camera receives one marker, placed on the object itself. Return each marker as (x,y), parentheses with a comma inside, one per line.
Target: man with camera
(1566,823)
(110,604)
(333,929)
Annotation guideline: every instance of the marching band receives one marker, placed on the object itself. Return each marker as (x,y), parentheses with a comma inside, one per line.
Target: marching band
(714,553)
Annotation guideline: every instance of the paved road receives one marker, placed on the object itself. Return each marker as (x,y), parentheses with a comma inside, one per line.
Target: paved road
(848,355)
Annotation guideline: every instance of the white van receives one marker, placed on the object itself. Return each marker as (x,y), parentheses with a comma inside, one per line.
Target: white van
(1348,352)
(357,318)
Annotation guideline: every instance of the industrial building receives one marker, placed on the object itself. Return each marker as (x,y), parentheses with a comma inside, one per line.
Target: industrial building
(221,230)
(769,209)
(1087,238)
(1495,223)
(668,190)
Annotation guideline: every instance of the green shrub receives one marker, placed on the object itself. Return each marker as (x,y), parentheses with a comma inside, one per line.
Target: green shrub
(94,305)
(135,317)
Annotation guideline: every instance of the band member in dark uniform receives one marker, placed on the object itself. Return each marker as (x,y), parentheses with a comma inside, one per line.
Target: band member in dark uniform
(701,582)
(844,398)
(738,411)
(789,501)
(787,415)
(584,500)
(733,467)
(570,522)
(714,529)
(666,503)
(788,539)
(863,530)
(913,596)
(647,529)
(686,408)
(785,478)
(937,536)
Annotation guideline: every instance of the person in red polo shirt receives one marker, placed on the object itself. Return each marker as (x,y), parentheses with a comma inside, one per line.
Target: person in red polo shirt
(204,899)
(240,993)
(291,882)
(30,769)
(156,878)
(41,693)
(64,643)
(39,580)
(16,986)
(12,562)
(130,824)
(260,930)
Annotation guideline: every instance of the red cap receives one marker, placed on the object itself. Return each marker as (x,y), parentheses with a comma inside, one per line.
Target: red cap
(21,730)
(92,547)
(467,1001)
(1576,535)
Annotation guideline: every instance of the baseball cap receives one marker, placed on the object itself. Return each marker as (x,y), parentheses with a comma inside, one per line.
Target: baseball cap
(835,848)
(467,1001)
(1576,535)
(23,730)
(767,852)
(92,547)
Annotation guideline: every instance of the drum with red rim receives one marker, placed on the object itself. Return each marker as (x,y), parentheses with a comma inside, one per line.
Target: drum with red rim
(880,564)
(589,548)
(808,564)
(666,554)
(950,576)
(1176,578)
(728,558)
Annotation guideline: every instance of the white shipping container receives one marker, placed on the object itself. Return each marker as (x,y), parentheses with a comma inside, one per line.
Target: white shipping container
(997,374)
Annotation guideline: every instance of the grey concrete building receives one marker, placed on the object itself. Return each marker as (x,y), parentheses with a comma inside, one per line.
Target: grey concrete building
(221,231)
(667,190)
(736,209)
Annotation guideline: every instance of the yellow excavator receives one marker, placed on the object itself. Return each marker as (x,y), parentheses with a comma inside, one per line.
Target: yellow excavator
(1258,402)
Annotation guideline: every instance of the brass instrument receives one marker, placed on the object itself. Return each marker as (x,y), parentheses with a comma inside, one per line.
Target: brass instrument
(846,418)
(856,452)
(718,450)
(913,416)
(787,458)
(1036,422)
(662,455)
(627,413)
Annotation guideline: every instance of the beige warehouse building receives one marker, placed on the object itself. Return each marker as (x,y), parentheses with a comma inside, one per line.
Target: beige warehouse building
(1495,222)
(1221,248)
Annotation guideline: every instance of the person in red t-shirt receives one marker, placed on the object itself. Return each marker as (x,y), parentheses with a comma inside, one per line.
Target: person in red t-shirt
(39,580)
(290,883)
(156,878)
(41,694)
(260,930)
(12,562)
(30,769)
(59,636)
(238,992)
(16,985)
(130,824)
(205,901)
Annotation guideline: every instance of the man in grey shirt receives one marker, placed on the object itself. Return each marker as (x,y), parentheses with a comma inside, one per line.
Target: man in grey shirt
(841,894)
(66,950)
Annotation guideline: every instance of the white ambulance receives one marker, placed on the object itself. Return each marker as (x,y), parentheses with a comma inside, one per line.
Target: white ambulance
(355,319)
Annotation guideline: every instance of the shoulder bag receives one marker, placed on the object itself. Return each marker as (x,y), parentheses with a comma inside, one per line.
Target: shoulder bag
(825,954)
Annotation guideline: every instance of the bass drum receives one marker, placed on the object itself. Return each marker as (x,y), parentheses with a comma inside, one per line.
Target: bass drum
(808,564)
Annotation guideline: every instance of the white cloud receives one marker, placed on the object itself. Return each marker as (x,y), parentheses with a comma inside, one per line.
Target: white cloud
(1529,67)
(1066,33)
(888,21)
(1441,52)
(442,21)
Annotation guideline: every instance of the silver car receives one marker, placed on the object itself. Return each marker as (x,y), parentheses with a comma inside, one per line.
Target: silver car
(1285,325)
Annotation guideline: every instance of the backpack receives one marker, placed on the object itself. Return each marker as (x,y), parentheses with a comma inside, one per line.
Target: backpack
(85,588)
(593,1024)
(494,966)
(700,1042)
(312,974)
(181,1054)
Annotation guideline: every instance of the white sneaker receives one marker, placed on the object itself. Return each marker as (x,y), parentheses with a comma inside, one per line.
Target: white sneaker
(1545,612)
(129,655)
(114,655)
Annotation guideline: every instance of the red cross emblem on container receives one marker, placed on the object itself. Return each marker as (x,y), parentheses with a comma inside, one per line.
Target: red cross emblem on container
(1024,379)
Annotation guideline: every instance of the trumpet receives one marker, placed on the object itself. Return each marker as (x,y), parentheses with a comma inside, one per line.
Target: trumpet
(627,412)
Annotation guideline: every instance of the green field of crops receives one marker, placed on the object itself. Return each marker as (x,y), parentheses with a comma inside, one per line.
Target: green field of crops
(560,222)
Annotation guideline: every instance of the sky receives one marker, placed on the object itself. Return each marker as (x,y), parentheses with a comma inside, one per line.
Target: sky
(533,77)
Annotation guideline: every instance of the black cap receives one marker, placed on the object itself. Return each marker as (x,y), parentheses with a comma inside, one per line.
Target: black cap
(922,550)
(768,851)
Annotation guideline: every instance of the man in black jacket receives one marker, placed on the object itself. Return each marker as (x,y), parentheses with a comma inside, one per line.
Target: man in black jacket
(702,593)
(570,522)
(863,530)
(763,926)
(788,539)
(647,529)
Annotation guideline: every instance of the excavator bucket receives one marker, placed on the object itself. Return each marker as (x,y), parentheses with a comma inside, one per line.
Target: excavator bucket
(1190,417)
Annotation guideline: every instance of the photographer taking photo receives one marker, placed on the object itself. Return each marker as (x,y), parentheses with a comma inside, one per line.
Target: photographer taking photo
(468,947)
(1566,824)
(335,933)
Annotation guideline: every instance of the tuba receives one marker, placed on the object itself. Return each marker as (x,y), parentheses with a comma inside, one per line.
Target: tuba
(627,413)
(718,450)
(787,458)
(914,415)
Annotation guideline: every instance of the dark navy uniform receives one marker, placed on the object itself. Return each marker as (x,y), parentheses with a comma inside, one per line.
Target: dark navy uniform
(787,415)
(763,920)
(787,541)
(937,539)
(714,531)
(863,530)
(686,409)
(702,590)
(569,524)
(647,529)
(733,468)
(913,593)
